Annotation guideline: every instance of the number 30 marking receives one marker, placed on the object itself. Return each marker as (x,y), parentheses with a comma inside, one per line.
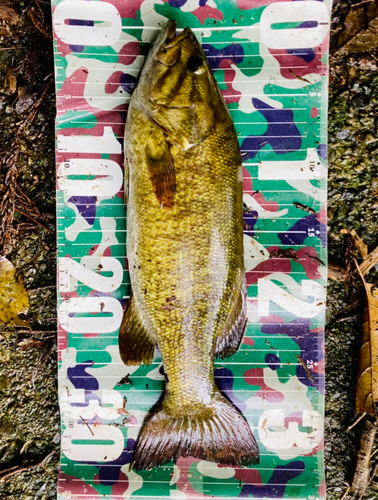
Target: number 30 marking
(285,439)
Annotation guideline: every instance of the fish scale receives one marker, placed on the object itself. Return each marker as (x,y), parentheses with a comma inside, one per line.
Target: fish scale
(185,250)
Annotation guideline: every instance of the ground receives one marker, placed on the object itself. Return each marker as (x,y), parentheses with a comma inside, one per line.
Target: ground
(29,413)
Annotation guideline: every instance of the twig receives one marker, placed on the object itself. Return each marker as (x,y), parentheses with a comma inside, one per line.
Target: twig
(346,493)
(369,261)
(361,3)
(340,320)
(12,48)
(32,218)
(359,244)
(36,331)
(361,478)
(8,202)
(356,422)
(40,288)
(23,469)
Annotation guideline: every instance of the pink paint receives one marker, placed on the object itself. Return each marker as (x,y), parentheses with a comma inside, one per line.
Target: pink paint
(247,180)
(316,450)
(322,215)
(274,265)
(248,341)
(126,9)
(129,52)
(249,476)
(255,376)
(207,12)
(271,206)
(62,341)
(314,112)
(308,258)
(322,490)
(293,66)
(76,487)
(121,486)
(73,86)
(271,319)
(113,83)
(183,484)
(230,94)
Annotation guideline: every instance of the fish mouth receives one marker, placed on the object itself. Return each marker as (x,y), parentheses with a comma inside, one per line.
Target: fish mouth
(172,57)
(167,33)
(169,45)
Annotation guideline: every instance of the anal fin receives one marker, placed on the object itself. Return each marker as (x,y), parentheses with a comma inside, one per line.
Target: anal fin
(135,344)
(228,342)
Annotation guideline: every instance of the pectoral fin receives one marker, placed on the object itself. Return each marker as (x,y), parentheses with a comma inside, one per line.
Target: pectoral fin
(135,345)
(161,168)
(228,342)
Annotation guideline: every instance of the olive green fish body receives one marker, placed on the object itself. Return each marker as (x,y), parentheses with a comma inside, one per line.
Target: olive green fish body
(185,251)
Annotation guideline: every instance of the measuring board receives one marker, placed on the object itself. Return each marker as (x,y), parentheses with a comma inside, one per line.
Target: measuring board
(270,61)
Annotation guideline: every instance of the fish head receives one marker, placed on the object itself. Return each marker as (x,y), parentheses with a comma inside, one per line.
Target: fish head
(177,87)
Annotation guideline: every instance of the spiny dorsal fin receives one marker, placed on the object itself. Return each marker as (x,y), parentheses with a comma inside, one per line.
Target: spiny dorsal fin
(161,168)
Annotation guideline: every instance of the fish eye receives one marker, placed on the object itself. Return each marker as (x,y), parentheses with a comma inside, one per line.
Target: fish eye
(194,63)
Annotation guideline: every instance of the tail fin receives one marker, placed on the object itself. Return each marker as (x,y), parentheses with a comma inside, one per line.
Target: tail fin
(218,433)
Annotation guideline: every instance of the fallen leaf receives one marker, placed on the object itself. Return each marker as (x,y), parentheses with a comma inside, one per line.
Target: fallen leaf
(365,40)
(359,29)
(336,272)
(370,261)
(8,14)
(30,343)
(14,299)
(10,82)
(367,376)
(359,244)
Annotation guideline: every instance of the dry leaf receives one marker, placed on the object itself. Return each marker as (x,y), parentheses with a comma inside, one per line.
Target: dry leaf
(369,262)
(359,33)
(359,244)
(8,14)
(336,272)
(10,82)
(367,376)
(365,40)
(14,299)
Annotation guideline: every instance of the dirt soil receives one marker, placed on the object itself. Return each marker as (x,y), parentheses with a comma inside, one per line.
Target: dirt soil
(29,413)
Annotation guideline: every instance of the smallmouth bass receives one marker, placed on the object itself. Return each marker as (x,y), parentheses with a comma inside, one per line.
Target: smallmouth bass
(185,251)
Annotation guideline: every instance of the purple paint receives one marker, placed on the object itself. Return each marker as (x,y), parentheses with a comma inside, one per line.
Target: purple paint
(79,22)
(215,56)
(177,3)
(275,488)
(86,206)
(224,379)
(307,227)
(128,82)
(273,361)
(282,134)
(80,379)
(323,151)
(309,343)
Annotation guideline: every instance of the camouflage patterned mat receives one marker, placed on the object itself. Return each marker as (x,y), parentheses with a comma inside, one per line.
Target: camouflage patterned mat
(270,61)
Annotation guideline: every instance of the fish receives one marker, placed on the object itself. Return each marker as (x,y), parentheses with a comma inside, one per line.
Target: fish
(183,184)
